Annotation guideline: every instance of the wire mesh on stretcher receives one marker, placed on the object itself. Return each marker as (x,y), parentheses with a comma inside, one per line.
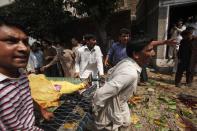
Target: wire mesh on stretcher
(73,114)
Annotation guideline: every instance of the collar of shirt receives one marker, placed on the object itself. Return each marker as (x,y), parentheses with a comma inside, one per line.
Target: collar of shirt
(138,68)
(87,49)
(120,44)
(4,77)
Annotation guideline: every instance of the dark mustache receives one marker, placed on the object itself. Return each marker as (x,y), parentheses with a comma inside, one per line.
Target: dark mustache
(22,54)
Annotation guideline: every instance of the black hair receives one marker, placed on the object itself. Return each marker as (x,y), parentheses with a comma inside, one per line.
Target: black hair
(34,45)
(180,20)
(189,30)
(9,21)
(124,31)
(89,36)
(137,44)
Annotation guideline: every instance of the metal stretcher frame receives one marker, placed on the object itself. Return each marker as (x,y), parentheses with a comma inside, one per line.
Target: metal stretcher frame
(66,113)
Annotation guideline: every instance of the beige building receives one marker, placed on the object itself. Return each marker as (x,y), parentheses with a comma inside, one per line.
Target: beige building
(156,18)
(129,5)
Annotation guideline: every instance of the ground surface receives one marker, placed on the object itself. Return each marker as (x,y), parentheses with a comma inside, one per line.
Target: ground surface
(162,106)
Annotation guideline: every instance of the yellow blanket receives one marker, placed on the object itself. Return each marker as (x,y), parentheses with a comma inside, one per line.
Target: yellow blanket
(47,93)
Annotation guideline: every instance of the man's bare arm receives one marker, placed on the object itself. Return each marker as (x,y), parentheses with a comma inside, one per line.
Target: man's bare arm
(164,42)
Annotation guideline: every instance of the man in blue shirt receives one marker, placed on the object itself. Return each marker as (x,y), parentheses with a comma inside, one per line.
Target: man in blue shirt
(117,52)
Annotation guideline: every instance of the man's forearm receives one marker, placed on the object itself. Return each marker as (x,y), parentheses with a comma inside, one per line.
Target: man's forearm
(156,43)
(164,42)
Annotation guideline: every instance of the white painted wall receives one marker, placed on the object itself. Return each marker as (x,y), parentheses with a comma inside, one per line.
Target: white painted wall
(5,2)
(175,2)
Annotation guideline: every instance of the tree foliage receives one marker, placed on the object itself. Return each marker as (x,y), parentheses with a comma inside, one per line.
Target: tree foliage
(48,18)
(41,17)
(100,12)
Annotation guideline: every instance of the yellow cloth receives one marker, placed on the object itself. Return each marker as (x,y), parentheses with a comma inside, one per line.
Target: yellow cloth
(67,87)
(44,93)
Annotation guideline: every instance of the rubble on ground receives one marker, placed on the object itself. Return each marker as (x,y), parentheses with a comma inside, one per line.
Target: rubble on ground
(160,106)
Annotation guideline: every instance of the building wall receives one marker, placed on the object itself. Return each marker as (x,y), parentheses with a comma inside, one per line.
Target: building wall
(5,2)
(141,15)
(162,30)
(132,5)
(153,18)
(129,5)
(175,2)
(147,17)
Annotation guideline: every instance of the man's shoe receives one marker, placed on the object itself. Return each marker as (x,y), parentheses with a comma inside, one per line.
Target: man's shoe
(142,84)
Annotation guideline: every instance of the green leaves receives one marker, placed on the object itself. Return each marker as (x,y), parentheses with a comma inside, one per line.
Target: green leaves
(138,125)
(40,17)
(98,10)
(171,103)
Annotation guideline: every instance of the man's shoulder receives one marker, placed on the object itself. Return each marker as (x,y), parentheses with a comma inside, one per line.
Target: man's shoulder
(126,70)
(129,64)
(115,44)
(81,49)
(96,47)
(67,50)
(5,79)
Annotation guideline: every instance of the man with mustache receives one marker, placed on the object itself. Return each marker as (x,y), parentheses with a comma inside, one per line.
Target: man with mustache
(16,104)
(111,111)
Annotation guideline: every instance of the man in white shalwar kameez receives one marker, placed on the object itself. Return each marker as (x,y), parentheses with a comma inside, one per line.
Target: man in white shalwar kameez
(110,108)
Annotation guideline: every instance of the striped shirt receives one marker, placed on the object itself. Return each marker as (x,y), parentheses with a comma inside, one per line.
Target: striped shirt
(16,104)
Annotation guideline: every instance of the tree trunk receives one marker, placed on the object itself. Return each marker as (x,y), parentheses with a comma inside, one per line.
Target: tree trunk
(102,37)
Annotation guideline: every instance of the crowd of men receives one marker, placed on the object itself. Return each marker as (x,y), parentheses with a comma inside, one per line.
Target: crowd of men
(127,57)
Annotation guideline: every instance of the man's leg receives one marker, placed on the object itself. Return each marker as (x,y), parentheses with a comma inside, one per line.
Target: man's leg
(190,73)
(171,52)
(143,75)
(178,75)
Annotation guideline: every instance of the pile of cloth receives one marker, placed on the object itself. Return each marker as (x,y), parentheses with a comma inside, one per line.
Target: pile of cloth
(47,92)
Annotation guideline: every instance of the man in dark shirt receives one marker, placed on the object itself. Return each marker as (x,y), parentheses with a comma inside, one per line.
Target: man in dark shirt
(184,57)
(118,50)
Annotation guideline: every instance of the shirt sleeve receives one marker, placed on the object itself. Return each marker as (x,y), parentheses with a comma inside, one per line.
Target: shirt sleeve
(77,62)
(100,61)
(54,61)
(110,53)
(112,88)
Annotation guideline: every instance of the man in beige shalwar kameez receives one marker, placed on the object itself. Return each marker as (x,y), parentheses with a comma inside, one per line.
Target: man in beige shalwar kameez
(111,111)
